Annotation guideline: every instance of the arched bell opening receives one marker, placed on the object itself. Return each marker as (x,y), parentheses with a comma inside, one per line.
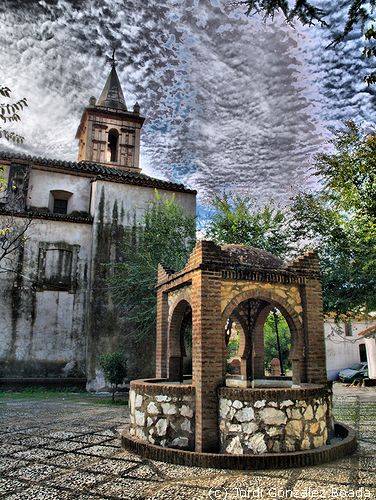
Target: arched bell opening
(179,365)
(263,344)
(113,143)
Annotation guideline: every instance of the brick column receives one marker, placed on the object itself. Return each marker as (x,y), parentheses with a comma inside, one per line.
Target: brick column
(313,325)
(208,356)
(162,332)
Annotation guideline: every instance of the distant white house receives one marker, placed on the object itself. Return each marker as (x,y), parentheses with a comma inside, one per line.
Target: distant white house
(349,343)
(369,336)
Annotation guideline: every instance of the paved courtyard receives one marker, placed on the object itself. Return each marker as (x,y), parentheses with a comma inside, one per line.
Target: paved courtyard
(63,449)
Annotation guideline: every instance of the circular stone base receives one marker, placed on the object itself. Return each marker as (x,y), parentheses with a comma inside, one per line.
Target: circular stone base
(343,445)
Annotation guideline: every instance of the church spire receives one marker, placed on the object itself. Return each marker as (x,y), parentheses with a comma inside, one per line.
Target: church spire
(112,95)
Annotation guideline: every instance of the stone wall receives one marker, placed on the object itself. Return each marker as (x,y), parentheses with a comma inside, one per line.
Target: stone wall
(273,421)
(163,414)
(43,302)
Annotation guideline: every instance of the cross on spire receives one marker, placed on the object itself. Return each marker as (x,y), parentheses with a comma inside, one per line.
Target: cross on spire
(112,58)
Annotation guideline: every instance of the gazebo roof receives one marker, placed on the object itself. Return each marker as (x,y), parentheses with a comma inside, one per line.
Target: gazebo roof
(255,257)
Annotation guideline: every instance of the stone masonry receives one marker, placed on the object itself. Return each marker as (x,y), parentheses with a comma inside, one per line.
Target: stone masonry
(273,425)
(163,417)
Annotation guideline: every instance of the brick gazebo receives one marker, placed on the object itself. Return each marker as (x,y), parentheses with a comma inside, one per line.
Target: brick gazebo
(208,418)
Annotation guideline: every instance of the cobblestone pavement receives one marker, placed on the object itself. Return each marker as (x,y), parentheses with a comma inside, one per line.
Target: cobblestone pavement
(63,450)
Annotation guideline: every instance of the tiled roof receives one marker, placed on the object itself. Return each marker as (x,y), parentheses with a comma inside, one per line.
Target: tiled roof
(96,170)
(368,332)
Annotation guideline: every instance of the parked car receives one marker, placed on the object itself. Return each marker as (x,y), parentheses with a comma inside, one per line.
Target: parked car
(357,371)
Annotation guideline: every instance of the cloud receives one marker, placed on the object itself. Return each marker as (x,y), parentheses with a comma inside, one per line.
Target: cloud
(231,103)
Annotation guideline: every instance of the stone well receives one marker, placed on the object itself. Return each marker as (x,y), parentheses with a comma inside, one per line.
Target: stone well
(251,420)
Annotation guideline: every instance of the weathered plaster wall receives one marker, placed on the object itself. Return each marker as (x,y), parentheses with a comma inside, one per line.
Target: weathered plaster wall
(117,210)
(271,425)
(42,182)
(94,139)
(52,330)
(164,417)
(342,351)
(43,327)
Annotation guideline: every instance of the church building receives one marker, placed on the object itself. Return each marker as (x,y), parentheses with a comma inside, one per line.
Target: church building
(56,312)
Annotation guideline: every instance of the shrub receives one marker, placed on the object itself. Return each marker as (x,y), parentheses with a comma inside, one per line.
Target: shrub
(114,367)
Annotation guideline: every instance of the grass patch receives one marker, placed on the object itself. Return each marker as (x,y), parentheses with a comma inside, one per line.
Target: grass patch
(63,393)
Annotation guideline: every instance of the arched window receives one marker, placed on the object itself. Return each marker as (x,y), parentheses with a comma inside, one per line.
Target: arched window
(59,201)
(113,139)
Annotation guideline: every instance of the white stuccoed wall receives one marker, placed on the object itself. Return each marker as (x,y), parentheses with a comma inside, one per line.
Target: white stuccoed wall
(45,328)
(42,182)
(342,351)
(371,357)
(45,333)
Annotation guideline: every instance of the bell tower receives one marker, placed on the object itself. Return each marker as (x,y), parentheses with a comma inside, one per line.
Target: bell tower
(108,133)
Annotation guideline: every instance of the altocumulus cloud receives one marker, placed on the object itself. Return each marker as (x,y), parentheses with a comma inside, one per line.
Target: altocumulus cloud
(231,103)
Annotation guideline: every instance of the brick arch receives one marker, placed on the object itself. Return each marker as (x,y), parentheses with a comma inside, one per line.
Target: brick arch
(268,296)
(292,317)
(175,346)
(185,294)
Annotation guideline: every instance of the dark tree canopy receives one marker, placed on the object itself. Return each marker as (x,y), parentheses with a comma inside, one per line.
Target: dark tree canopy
(341,220)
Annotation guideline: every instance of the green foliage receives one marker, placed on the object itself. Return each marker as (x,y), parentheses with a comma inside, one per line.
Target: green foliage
(167,237)
(114,367)
(232,347)
(341,221)
(239,220)
(3,184)
(270,340)
(349,173)
(9,112)
(370,51)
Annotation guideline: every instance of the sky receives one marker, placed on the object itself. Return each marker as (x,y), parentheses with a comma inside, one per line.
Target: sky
(231,103)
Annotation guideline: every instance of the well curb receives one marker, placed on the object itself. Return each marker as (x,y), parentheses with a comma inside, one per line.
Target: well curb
(328,453)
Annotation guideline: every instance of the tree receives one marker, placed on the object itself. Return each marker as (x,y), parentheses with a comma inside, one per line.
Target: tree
(9,112)
(340,221)
(270,340)
(13,229)
(114,367)
(360,12)
(349,172)
(239,220)
(167,236)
